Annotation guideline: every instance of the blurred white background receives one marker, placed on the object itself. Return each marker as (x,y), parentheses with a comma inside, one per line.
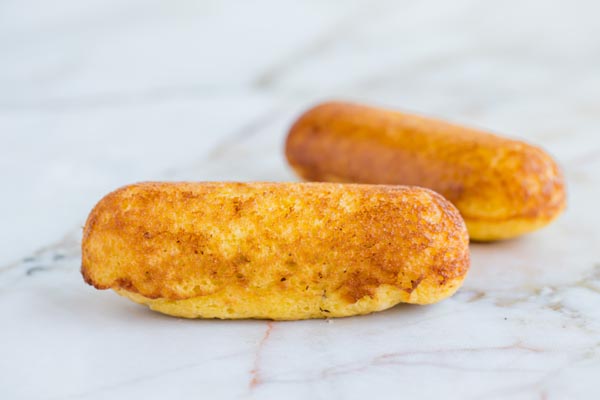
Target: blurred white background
(97,94)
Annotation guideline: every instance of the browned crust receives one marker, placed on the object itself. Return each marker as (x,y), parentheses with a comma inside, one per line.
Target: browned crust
(184,240)
(489,178)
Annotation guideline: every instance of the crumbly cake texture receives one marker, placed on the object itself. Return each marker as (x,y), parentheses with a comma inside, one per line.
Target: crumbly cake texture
(275,250)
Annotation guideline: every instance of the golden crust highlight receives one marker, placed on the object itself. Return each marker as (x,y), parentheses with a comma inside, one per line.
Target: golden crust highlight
(274,250)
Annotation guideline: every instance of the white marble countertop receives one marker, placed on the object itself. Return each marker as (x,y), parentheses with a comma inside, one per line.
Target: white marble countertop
(97,94)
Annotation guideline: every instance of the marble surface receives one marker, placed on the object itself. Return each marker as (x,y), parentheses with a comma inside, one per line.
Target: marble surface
(97,94)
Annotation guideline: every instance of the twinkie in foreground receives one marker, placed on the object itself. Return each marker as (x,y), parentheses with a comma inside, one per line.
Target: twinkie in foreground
(275,250)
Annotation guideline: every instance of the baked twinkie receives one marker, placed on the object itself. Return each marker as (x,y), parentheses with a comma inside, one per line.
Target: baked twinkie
(503,188)
(274,250)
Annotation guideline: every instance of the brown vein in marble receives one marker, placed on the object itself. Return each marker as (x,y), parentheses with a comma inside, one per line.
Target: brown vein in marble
(469,295)
(399,359)
(255,372)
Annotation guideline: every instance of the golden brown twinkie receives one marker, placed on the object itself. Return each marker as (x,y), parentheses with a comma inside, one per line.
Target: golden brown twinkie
(503,188)
(274,250)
